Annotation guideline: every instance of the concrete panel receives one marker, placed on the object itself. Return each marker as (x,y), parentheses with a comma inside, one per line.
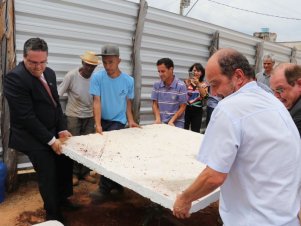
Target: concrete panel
(157,161)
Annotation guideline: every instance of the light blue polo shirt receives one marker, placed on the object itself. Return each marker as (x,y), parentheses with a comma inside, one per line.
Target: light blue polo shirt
(114,93)
(252,137)
(169,100)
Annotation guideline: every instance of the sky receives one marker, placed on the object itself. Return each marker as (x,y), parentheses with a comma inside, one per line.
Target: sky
(216,12)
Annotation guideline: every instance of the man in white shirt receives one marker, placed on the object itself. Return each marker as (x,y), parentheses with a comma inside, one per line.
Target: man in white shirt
(251,148)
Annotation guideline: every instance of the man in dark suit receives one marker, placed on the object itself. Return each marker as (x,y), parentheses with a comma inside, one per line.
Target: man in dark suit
(36,123)
(286,84)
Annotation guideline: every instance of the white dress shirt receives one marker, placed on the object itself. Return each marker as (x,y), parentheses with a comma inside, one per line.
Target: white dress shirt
(252,137)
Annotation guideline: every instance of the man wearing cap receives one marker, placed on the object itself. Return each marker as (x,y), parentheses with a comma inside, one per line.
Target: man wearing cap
(79,109)
(112,92)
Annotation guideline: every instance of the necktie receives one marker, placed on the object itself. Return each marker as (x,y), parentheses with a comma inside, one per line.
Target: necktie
(44,83)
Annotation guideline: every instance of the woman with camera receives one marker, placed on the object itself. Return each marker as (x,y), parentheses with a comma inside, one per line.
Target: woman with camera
(197,92)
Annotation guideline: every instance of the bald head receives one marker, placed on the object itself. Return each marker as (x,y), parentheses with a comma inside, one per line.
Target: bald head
(292,72)
(229,60)
(227,71)
(285,82)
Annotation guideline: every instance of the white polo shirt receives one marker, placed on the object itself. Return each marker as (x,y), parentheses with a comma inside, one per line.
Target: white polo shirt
(252,137)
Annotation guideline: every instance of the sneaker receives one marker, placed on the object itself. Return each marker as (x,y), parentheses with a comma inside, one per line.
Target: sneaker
(90,179)
(75,180)
(99,197)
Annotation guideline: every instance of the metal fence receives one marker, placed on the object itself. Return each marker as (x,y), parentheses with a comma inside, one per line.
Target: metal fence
(73,26)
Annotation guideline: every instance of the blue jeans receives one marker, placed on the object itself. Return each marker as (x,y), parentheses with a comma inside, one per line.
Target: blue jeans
(105,184)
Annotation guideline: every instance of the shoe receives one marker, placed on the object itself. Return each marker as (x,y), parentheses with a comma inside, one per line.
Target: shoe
(66,204)
(93,173)
(75,180)
(99,197)
(117,193)
(90,179)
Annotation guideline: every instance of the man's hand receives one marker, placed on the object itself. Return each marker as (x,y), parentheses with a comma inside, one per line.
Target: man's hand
(65,134)
(157,121)
(171,123)
(57,146)
(181,207)
(133,124)
(98,129)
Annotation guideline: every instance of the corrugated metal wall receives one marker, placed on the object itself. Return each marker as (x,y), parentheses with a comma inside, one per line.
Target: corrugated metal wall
(182,39)
(73,26)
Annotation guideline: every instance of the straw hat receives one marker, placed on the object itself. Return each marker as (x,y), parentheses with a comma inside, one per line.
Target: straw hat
(90,58)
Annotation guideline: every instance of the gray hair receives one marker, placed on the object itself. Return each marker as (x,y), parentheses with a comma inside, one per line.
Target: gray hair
(269,57)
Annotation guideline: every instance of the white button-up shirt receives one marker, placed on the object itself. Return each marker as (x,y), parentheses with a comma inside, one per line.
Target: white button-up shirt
(252,137)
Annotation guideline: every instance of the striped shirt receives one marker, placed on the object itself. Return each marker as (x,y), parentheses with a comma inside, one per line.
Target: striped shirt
(169,100)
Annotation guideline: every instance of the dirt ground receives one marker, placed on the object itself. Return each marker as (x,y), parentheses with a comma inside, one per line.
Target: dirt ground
(25,207)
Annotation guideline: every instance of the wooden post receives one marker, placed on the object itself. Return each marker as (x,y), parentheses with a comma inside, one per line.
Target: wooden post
(258,57)
(293,55)
(136,59)
(214,44)
(7,62)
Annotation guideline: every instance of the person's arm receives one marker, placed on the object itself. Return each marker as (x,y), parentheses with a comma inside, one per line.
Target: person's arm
(61,125)
(177,114)
(65,84)
(203,89)
(129,114)
(21,105)
(156,112)
(97,113)
(206,182)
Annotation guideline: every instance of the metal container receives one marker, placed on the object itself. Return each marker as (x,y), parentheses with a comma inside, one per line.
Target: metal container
(3,172)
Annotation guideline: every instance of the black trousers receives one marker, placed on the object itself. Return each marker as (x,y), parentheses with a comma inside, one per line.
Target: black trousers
(54,178)
(208,115)
(193,118)
(106,184)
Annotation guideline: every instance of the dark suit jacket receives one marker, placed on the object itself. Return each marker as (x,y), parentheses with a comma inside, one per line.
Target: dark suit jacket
(34,119)
(295,112)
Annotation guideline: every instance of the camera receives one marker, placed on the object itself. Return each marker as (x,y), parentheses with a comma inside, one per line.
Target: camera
(191,74)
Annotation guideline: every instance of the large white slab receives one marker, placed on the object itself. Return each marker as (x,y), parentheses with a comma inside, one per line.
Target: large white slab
(156,161)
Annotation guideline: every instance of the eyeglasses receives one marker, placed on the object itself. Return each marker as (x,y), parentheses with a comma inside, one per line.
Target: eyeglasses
(278,90)
(35,64)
